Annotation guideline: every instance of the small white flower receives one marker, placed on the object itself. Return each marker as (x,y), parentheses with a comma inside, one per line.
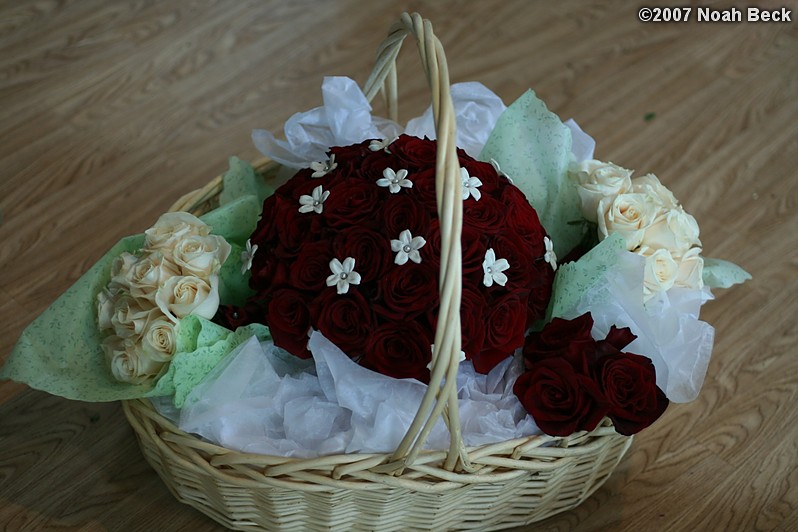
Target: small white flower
(432,349)
(493,268)
(470,185)
(314,203)
(246,257)
(377,145)
(499,171)
(407,247)
(394,180)
(320,169)
(550,257)
(343,274)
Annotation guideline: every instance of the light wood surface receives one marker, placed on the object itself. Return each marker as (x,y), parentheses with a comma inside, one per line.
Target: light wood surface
(109,111)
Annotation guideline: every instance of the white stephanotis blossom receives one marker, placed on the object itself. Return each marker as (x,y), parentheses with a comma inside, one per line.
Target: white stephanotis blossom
(394,180)
(246,257)
(343,274)
(495,164)
(461,358)
(377,145)
(407,247)
(471,185)
(550,256)
(494,269)
(315,202)
(321,169)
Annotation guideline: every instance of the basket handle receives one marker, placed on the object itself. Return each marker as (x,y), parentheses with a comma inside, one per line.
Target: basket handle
(441,396)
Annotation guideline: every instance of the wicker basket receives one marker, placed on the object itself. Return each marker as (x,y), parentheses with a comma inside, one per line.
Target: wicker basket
(495,486)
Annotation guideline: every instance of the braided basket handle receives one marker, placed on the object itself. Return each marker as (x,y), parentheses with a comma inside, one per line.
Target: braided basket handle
(441,396)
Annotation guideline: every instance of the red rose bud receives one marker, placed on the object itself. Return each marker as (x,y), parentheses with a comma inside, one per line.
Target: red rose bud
(560,338)
(629,384)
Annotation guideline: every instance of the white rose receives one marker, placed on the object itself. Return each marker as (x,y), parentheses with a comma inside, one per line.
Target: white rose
(628,215)
(184,295)
(597,180)
(120,267)
(691,270)
(131,316)
(649,184)
(159,339)
(128,363)
(660,272)
(106,300)
(171,227)
(148,273)
(674,230)
(201,256)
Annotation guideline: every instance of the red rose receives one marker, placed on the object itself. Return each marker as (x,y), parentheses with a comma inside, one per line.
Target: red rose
(486,215)
(414,152)
(473,310)
(266,231)
(371,167)
(484,172)
(268,273)
(473,250)
(505,327)
(629,384)
(522,218)
(560,400)
(407,291)
(509,246)
(541,285)
(347,158)
(351,202)
(400,349)
(567,339)
(289,321)
(344,319)
(294,228)
(371,251)
(424,188)
(400,212)
(312,266)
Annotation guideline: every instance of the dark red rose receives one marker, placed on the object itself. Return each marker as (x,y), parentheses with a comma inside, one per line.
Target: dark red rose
(294,228)
(485,215)
(400,349)
(371,167)
(505,327)
(232,317)
(414,152)
(619,338)
(629,384)
(351,202)
(403,211)
(522,219)
(407,291)
(567,339)
(344,319)
(473,310)
(510,247)
(347,158)
(268,273)
(266,231)
(560,400)
(289,321)
(541,284)
(311,268)
(472,248)
(370,249)
(424,188)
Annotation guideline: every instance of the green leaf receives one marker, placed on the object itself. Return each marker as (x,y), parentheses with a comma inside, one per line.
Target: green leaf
(719,273)
(533,147)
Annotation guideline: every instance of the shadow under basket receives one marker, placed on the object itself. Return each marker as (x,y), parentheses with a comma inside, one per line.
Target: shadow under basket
(501,485)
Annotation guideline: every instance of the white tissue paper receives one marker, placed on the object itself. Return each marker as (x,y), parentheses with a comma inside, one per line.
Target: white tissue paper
(667,327)
(345,118)
(263,400)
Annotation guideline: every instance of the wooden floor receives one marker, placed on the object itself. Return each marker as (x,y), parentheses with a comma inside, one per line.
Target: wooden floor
(110,110)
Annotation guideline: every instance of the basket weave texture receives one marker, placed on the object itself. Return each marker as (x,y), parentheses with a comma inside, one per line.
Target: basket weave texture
(494,486)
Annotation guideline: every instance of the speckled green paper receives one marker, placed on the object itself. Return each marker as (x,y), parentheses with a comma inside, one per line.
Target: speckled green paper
(60,352)
(719,273)
(201,345)
(533,147)
(573,279)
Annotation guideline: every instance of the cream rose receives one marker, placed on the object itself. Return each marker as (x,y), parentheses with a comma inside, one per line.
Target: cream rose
(128,362)
(131,316)
(106,300)
(674,230)
(200,256)
(184,295)
(660,272)
(628,215)
(120,267)
(172,227)
(148,273)
(651,186)
(691,270)
(596,181)
(159,339)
